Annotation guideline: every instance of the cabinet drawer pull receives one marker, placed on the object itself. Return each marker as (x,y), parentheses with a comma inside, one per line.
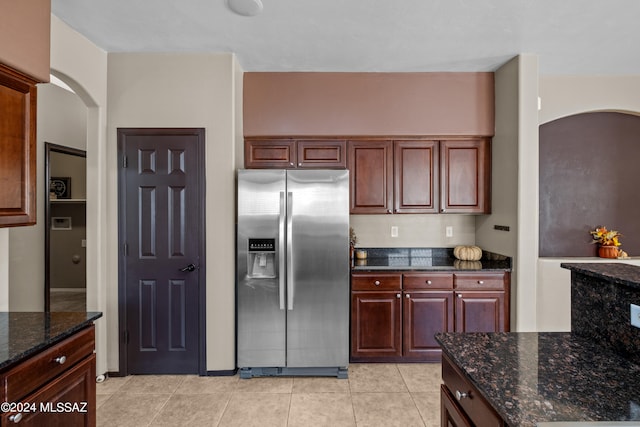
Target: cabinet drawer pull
(481,282)
(60,360)
(407,295)
(461,395)
(428,282)
(15,418)
(377,283)
(398,295)
(459,295)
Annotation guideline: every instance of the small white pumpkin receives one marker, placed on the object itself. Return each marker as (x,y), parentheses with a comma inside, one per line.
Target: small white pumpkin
(467,253)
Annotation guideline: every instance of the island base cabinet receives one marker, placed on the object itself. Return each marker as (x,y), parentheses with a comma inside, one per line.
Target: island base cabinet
(69,400)
(450,414)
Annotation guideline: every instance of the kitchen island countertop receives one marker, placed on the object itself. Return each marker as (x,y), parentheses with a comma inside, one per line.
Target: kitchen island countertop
(22,334)
(533,377)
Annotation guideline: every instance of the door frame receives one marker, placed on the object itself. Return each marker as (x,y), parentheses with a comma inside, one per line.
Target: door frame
(48,148)
(123,368)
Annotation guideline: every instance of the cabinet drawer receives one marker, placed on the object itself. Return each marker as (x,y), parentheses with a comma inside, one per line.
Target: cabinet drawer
(478,281)
(377,281)
(427,281)
(467,397)
(32,373)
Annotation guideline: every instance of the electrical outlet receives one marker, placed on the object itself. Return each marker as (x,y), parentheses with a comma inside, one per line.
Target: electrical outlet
(448,231)
(635,315)
(83,243)
(394,231)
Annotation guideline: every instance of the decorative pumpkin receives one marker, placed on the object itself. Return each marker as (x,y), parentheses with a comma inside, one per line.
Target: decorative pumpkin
(467,253)
(467,265)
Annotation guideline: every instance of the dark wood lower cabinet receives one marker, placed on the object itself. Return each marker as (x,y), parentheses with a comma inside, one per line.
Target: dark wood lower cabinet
(425,314)
(395,316)
(450,414)
(376,326)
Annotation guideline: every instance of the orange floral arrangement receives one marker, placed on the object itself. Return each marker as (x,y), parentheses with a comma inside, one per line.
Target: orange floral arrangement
(606,237)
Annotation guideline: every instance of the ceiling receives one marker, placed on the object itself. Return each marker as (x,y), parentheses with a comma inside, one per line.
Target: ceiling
(585,37)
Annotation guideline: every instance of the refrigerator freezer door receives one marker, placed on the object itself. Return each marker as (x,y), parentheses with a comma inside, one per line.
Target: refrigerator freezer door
(260,301)
(318,283)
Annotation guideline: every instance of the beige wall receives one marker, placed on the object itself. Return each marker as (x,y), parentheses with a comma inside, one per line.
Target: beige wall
(563,96)
(188,90)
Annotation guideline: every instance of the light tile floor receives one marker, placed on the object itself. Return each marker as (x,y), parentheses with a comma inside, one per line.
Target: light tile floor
(374,395)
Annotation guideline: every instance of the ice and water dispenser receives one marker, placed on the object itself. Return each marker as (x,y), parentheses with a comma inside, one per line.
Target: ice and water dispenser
(262,259)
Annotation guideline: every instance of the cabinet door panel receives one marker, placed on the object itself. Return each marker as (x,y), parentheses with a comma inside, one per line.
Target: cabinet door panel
(322,154)
(371,170)
(450,414)
(478,311)
(465,176)
(425,314)
(415,169)
(276,153)
(376,326)
(17,148)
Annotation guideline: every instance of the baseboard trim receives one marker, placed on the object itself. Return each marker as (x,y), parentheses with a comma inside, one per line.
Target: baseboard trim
(226,373)
(83,290)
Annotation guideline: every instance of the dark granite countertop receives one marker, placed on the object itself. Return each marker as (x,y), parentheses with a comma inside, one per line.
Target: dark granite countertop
(624,274)
(426,259)
(25,333)
(533,377)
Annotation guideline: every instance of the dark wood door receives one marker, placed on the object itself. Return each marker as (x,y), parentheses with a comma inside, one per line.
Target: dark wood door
(425,314)
(162,237)
(465,169)
(371,169)
(480,311)
(329,154)
(376,325)
(416,176)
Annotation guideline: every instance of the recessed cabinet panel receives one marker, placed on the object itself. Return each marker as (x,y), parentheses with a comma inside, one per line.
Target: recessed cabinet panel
(480,311)
(371,175)
(376,325)
(465,176)
(415,169)
(329,154)
(425,314)
(17,148)
(268,153)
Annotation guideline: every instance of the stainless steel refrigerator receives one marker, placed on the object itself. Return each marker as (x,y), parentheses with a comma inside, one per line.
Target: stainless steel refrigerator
(293,272)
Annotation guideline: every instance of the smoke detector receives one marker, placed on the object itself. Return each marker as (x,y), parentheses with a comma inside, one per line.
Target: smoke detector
(245,7)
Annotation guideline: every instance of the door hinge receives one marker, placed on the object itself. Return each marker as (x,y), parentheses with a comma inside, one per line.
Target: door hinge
(125,162)
(126,337)
(125,249)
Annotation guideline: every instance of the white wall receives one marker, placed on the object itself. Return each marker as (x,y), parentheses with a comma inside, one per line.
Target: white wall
(185,90)
(83,66)
(61,119)
(563,96)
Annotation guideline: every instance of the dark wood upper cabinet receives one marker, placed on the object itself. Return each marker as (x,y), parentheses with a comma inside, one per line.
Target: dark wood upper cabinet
(329,154)
(465,171)
(17,148)
(416,176)
(291,154)
(371,176)
(270,153)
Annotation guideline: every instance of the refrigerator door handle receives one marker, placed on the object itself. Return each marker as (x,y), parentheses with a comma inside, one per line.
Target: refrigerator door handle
(290,284)
(282,276)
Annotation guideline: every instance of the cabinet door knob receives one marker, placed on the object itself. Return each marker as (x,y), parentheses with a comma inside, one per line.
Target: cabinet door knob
(60,360)
(459,295)
(15,418)
(407,295)
(428,282)
(377,283)
(481,282)
(461,395)
(398,296)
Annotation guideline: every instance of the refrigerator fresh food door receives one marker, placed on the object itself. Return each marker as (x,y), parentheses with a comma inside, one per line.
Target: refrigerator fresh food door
(318,268)
(260,296)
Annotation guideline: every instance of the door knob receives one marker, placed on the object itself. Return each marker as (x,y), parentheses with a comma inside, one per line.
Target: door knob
(189,268)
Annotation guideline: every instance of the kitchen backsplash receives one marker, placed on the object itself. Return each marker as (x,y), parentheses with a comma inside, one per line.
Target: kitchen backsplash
(418,230)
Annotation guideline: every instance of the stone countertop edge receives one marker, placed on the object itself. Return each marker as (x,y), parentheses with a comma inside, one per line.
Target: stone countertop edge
(23,334)
(624,274)
(531,377)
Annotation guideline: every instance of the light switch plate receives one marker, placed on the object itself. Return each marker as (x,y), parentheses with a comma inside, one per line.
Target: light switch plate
(635,315)
(394,231)
(448,231)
